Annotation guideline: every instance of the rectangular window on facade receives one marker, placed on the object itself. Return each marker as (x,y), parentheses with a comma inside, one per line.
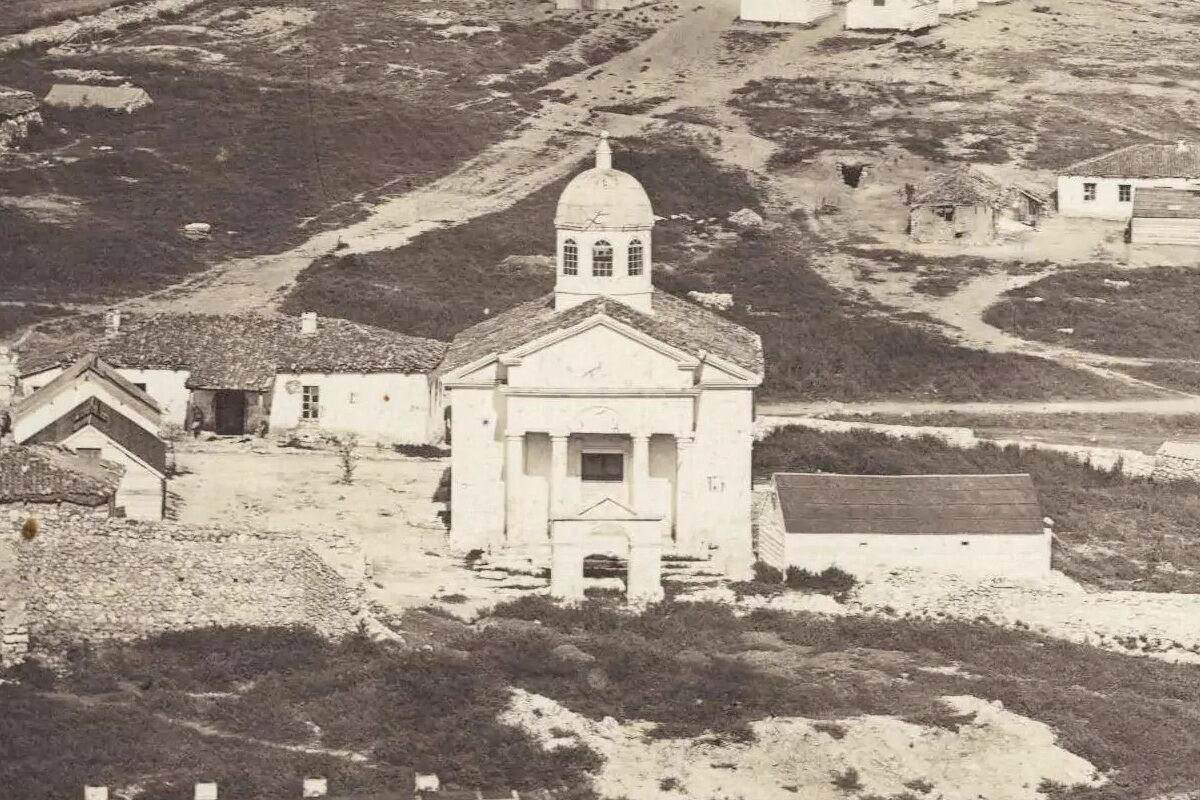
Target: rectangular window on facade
(1089,191)
(945,212)
(310,402)
(1125,193)
(880,3)
(636,256)
(570,258)
(602,260)
(603,467)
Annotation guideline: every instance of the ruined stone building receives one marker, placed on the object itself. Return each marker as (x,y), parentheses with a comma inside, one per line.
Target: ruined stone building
(607,417)
(967,206)
(19,114)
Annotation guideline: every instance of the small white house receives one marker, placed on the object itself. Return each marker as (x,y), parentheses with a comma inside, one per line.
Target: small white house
(594,5)
(93,411)
(870,523)
(798,12)
(248,373)
(1105,187)
(950,8)
(1166,216)
(891,15)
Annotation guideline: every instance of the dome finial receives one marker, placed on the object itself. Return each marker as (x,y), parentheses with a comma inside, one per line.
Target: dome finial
(603,152)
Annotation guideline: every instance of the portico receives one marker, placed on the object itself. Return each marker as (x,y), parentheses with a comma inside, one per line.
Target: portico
(607,418)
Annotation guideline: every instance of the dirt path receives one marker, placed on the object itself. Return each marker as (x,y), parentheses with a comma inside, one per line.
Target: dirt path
(107,21)
(1175,406)
(545,148)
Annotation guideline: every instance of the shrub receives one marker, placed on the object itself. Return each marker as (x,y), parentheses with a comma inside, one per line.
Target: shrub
(765,573)
(847,780)
(831,581)
(421,450)
(29,528)
(347,451)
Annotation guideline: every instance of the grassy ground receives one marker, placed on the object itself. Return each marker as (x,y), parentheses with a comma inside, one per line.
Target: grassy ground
(1152,316)
(1112,531)
(21,15)
(1143,432)
(689,667)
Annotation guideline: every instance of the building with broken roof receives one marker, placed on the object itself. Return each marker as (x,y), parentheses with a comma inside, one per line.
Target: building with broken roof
(1105,187)
(19,114)
(607,417)
(93,411)
(1166,216)
(966,205)
(867,523)
(891,15)
(246,373)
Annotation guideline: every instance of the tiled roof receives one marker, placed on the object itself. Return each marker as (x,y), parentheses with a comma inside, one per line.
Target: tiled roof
(50,474)
(14,102)
(1142,161)
(1166,204)
(238,351)
(116,426)
(88,363)
(909,504)
(675,322)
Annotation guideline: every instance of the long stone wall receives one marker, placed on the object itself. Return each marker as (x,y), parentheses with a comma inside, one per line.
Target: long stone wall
(1177,461)
(85,579)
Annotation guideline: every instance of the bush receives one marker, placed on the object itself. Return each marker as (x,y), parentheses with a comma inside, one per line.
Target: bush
(831,581)
(765,573)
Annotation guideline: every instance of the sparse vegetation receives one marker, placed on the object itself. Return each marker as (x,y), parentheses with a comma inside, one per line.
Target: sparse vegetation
(346,447)
(1112,531)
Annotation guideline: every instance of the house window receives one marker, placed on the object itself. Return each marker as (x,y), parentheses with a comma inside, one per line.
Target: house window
(1089,191)
(603,467)
(945,212)
(880,3)
(90,453)
(635,257)
(310,403)
(570,257)
(602,259)
(1125,193)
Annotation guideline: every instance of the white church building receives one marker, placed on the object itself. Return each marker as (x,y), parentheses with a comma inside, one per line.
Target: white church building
(606,417)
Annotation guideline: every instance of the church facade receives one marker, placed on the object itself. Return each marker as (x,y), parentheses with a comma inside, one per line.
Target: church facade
(607,417)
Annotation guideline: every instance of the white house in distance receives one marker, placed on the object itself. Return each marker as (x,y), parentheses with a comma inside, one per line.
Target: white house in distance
(801,12)
(1166,216)
(607,417)
(91,410)
(593,5)
(241,371)
(891,15)
(942,523)
(1104,187)
(950,8)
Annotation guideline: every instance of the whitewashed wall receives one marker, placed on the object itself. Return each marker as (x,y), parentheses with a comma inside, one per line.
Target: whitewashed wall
(900,15)
(386,407)
(476,469)
(951,7)
(792,11)
(29,423)
(999,554)
(1107,204)
(167,387)
(141,492)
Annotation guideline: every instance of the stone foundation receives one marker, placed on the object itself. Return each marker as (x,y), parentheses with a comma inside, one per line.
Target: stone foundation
(1177,461)
(87,580)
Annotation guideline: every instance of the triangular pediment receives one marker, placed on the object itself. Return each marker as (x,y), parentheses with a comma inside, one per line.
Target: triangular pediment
(607,508)
(592,323)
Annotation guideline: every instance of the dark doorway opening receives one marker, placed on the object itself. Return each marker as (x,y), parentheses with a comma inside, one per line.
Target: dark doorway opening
(605,565)
(852,174)
(229,411)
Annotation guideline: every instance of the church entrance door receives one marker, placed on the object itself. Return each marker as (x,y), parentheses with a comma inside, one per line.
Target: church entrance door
(229,412)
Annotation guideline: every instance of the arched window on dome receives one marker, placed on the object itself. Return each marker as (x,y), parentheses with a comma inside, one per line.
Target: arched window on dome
(637,257)
(602,259)
(570,257)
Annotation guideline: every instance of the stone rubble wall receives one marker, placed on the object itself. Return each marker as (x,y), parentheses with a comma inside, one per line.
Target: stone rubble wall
(83,579)
(16,130)
(1177,461)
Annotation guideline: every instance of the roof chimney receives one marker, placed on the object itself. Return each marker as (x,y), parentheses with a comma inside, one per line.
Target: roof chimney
(308,323)
(112,321)
(603,152)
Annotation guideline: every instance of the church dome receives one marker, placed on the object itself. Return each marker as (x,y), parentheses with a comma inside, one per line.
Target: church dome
(603,198)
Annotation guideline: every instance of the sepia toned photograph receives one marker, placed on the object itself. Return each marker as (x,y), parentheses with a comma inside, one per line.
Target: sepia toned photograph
(600,399)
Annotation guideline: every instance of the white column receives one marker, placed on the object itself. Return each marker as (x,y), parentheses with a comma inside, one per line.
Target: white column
(645,565)
(639,473)
(558,474)
(685,490)
(514,466)
(566,562)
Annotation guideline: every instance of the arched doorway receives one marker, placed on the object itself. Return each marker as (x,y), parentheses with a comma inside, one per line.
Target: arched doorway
(604,571)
